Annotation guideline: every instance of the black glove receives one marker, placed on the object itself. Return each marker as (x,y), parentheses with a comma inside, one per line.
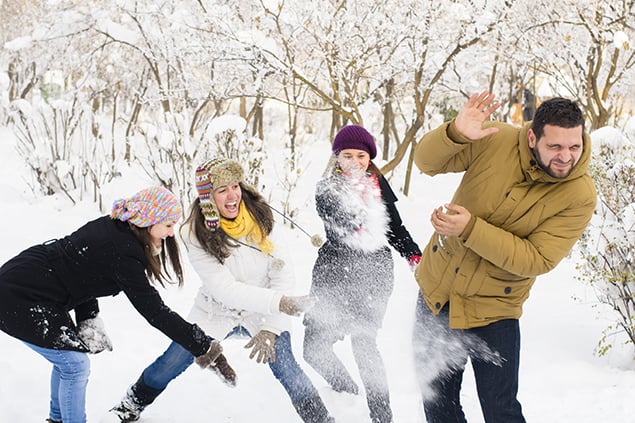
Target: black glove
(93,335)
(263,344)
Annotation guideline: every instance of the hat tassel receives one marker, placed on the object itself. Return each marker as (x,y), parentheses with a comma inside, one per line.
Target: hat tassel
(316,240)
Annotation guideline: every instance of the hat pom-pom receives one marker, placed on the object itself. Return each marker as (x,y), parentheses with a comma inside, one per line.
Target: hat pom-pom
(317,240)
(278,264)
(120,210)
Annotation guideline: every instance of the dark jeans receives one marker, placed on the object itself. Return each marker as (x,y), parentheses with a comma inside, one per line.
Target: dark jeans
(441,355)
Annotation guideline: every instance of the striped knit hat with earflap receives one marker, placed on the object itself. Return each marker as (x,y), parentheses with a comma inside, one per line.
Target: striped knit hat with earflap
(148,207)
(210,175)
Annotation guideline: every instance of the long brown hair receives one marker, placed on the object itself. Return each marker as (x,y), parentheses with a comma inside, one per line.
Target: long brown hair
(217,243)
(373,169)
(157,268)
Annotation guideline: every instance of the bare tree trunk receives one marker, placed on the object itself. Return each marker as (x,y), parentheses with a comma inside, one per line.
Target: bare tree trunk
(258,123)
(94,107)
(12,73)
(198,113)
(29,86)
(113,121)
(136,110)
(406,187)
(388,115)
(242,107)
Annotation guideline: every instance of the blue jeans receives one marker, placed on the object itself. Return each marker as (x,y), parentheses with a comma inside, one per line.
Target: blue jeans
(494,351)
(176,359)
(68,383)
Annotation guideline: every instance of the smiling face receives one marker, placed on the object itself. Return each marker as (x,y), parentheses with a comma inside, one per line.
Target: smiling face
(227,199)
(558,150)
(351,159)
(160,231)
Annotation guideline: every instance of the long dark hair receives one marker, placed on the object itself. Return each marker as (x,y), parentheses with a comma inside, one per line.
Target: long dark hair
(373,169)
(217,243)
(157,268)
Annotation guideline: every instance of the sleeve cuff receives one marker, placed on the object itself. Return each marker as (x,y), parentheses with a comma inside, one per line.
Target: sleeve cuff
(455,136)
(468,229)
(274,307)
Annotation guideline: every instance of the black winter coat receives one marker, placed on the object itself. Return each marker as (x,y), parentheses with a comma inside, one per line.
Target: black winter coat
(352,284)
(42,284)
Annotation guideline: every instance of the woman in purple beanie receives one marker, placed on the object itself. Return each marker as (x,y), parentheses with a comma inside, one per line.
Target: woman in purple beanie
(125,251)
(353,274)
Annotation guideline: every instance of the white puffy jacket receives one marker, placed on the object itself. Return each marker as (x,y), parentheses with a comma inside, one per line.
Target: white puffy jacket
(244,291)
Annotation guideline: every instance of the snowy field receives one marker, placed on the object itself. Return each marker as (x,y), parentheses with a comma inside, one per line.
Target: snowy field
(561,380)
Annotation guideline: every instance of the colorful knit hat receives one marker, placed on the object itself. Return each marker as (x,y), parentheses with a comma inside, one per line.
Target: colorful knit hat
(210,175)
(354,136)
(148,207)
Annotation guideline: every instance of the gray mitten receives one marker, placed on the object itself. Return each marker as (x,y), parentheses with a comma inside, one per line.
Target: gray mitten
(263,344)
(93,335)
(293,306)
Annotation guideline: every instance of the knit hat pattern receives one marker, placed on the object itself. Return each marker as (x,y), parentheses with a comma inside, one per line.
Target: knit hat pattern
(148,207)
(210,175)
(356,137)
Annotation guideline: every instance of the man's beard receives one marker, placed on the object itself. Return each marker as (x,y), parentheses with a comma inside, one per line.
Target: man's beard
(547,169)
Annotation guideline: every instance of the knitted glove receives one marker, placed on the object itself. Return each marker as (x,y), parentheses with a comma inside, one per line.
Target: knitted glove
(414,261)
(92,333)
(214,351)
(263,344)
(293,306)
(224,371)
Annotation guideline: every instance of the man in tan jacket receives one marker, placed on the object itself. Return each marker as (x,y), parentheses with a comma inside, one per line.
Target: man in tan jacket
(524,200)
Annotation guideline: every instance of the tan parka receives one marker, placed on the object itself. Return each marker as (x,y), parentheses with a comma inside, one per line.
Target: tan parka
(524,223)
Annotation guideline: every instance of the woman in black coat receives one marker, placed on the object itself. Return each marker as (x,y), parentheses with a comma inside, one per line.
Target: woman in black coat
(353,274)
(120,252)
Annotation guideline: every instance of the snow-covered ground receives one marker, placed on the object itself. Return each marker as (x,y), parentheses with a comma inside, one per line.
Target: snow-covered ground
(561,380)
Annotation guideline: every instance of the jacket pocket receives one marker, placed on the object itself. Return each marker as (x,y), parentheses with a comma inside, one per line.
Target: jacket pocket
(497,298)
(433,265)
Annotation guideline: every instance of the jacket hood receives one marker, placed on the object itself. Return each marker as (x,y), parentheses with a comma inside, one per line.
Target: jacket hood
(533,171)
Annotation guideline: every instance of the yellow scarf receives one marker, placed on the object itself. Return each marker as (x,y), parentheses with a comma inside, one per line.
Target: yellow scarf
(244,225)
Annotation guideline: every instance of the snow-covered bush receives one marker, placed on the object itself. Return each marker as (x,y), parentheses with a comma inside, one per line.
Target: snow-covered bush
(226,136)
(57,142)
(169,153)
(608,246)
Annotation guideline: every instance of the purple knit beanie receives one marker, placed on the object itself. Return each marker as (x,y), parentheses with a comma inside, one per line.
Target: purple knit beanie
(354,136)
(148,207)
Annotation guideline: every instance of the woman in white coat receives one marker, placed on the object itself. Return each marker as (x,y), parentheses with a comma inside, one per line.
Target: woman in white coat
(245,290)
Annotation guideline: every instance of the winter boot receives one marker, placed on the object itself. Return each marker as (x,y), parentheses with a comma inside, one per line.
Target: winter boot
(52,421)
(137,398)
(344,384)
(313,410)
